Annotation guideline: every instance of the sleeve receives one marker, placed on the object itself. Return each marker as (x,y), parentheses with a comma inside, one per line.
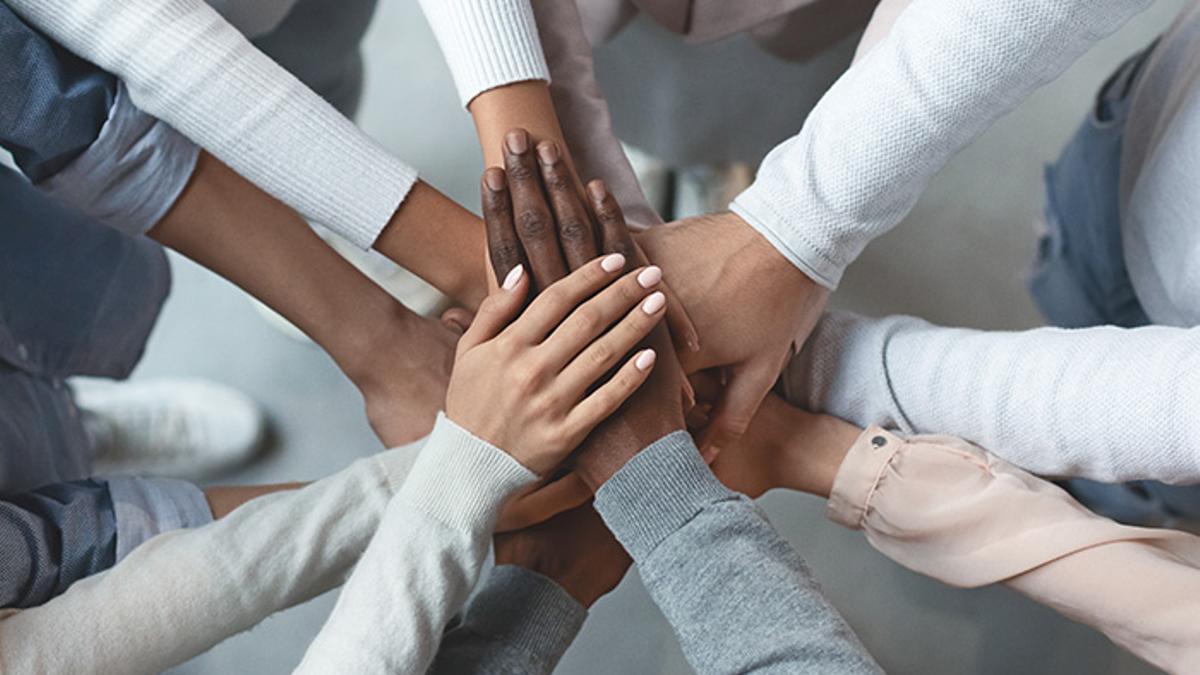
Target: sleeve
(945,73)
(702,550)
(184,591)
(422,562)
(519,623)
(949,510)
(186,65)
(147,507)
(487,43)
(1103,403)
(54,103)
(52,537)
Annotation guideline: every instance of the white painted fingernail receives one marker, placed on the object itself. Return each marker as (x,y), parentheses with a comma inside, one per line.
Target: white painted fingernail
(513,278)
(613,263)
(654,303)
(650,277)
(645,360)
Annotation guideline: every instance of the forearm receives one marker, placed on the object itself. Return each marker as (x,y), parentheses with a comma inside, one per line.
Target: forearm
(225,500)
(185,591)
(952,511)
(1098,403)
(947,70)
(691,539)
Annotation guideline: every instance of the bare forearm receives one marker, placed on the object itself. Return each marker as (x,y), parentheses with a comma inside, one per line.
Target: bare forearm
(223,500)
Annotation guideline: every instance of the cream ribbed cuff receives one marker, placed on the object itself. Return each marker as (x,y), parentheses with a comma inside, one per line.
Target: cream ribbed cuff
(461,480)
(487,43)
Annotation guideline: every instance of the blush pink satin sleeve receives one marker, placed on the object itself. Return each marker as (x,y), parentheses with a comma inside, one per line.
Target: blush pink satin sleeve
(952,511)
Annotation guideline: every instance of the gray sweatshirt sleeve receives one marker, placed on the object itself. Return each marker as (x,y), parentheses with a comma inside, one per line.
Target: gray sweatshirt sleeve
(739,598)
(519,623)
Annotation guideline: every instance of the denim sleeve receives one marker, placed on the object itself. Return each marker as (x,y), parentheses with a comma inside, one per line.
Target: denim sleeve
(52,103)
(52,537)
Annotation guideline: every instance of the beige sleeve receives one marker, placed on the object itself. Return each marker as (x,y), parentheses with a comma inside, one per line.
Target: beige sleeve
(947,509)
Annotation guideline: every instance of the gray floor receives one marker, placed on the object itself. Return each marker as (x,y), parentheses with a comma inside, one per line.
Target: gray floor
(972,227)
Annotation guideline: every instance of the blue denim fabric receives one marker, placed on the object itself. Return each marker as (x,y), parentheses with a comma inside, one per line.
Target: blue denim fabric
(52,103)
(1080,278)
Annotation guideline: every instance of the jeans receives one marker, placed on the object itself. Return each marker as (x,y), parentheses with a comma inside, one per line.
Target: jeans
(1080,279)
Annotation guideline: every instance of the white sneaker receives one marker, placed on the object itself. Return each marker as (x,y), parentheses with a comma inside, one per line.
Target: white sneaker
(175,428)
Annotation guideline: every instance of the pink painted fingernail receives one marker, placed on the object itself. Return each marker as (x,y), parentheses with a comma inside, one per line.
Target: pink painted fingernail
(645,360)
(613,263)
(517,141)
(494,178)
(654,303)
(650,277)
(513,278)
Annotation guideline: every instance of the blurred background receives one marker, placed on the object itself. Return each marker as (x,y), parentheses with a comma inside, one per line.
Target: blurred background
(960,259)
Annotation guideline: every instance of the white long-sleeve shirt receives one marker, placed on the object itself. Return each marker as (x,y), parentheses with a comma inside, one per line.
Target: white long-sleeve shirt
(187,65)
(181,593)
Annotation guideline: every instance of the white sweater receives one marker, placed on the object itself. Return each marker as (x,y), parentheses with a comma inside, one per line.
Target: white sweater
(184,63)
(183,592)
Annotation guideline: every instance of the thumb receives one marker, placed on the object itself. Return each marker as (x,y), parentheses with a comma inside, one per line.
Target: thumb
(457,320)
(735,409)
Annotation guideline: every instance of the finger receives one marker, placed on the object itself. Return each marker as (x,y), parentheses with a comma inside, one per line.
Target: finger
(604,401)
(531,215)
(735,409)
(504,248)
(595,316)
(497,310)
(559,496)
(601,356)
(550,308)
(575,232)
(683,331)
(457,320)
(614,233)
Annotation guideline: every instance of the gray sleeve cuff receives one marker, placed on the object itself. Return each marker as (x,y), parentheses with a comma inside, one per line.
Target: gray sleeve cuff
(132,174)
(147,507)
(657,493)
(527,611)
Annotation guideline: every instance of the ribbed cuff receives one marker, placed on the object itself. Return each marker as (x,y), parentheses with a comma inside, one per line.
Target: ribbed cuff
(487,43)
(147,507)
(657,493)
(756,209)
(131,175)
(859,475)
(527,611)
(461,480)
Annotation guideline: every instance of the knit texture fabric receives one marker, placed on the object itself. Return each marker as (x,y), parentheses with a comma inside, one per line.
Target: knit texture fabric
(947,70)
(186,65)
(1110,404)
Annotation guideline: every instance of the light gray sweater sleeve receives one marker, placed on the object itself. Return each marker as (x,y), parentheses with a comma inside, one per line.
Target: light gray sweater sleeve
(519,623)
(1110,404)
(739,598)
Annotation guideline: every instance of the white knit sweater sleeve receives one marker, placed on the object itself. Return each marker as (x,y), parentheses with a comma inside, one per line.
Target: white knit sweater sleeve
(1110,404)
(487,43)
(181,593)
(423,561)
(947,70)
(185,64)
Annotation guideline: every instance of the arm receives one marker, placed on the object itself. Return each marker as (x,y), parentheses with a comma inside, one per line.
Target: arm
(1099,403)
(292,546)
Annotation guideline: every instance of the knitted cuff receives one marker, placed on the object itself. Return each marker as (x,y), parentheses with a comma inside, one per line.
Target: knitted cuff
(657,493)
(527,611)
(461,480)
(487,43)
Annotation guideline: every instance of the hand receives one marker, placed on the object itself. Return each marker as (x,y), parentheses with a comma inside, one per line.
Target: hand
(542,501)
(525,387)
(574,549)
(552,237)
(750,306)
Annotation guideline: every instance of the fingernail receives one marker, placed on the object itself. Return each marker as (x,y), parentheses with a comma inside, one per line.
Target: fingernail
(548,152)
(494,178)
(514,277)
(650,277)
(517,140)
(654,303)
(613,263)
(597,190)
(645,360)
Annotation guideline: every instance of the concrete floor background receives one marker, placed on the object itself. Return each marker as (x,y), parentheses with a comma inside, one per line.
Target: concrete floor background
(972,228)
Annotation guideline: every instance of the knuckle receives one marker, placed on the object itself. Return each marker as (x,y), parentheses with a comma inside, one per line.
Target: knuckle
(588,320)
(558,181)
(600,356)
(505,251)
(496,204)
(533,222)
(573,230)
(521,171)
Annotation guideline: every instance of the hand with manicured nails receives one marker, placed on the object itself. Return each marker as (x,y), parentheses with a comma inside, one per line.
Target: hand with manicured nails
(528,386)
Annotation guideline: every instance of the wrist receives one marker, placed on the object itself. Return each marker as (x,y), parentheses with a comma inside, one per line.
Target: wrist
(813,451)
